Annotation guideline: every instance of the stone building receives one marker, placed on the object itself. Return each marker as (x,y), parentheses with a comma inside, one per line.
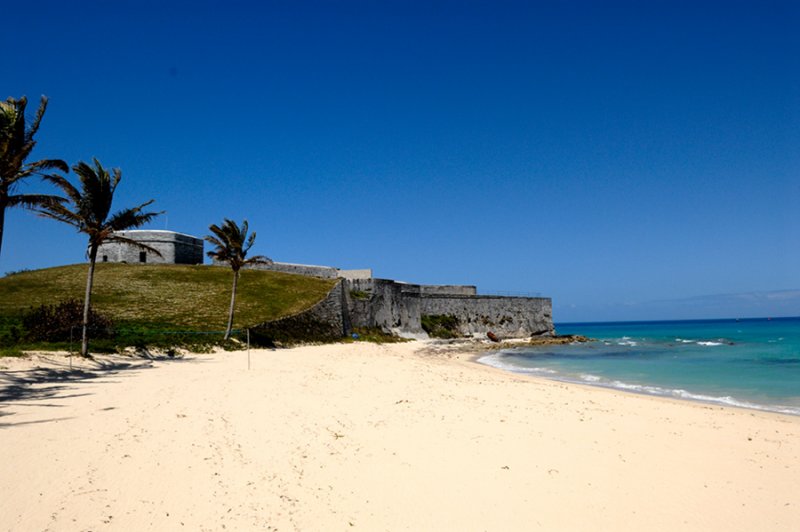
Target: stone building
(175,248)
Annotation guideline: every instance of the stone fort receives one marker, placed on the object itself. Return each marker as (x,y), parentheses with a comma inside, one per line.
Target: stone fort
(175,248)
(360,300)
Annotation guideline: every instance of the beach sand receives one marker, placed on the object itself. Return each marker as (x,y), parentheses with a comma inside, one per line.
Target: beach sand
(375,437)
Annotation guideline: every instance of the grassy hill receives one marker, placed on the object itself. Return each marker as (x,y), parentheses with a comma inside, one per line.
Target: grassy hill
(163,297)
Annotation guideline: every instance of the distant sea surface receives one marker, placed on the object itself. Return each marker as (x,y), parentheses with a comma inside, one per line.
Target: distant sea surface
(751,363)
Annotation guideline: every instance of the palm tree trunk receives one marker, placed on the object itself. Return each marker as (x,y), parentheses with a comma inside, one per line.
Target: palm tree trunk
(233,301)
(86,301)
(2,223)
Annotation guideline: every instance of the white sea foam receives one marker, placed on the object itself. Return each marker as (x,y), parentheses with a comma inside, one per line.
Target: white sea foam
(627,340)
(494,360)
(678,393)
(710,344)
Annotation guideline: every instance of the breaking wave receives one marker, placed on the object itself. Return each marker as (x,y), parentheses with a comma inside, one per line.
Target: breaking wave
(495,360)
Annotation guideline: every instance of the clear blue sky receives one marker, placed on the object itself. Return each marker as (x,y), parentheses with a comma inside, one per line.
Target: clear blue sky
(608,155)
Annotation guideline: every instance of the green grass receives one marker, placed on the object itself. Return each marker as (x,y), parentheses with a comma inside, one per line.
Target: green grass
(142,299)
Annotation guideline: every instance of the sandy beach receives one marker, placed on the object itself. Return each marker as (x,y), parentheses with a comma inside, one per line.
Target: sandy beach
(374,437)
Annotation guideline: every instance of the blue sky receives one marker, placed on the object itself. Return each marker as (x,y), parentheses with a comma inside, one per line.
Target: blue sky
(606,154)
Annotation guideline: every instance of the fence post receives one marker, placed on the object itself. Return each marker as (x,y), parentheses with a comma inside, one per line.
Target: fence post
(71,330)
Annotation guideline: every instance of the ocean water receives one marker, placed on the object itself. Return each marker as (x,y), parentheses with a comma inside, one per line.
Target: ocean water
(751,363)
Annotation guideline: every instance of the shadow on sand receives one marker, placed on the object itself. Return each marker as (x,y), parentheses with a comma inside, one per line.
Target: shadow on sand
(43,386)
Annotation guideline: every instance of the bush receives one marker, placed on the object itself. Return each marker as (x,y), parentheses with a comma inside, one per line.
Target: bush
(53,323)
(374,335)
(10,337)
(360,295)
(440,325)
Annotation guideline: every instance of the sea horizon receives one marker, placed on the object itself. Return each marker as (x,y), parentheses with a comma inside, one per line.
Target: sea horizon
(680,320)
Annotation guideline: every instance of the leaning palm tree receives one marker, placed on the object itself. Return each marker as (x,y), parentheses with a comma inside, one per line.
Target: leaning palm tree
(88,210)
(231,245)
(16,144)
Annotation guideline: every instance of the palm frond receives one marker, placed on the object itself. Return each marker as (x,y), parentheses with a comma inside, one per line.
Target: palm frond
(61,182)
(221,234)
(250,241)
(62,214)
(258,259)
(98,190)
(33,201)
(131,218)
(34,127)
(214,241)
(48,164)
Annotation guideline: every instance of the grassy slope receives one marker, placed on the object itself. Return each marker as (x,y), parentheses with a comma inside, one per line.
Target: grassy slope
(166,296)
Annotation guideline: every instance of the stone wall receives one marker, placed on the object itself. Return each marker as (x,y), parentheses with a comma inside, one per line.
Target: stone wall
(388,305)
(448,289)
(327,320)
(365,273)
(175,248)
(507,317)
(326,272)
(399,307)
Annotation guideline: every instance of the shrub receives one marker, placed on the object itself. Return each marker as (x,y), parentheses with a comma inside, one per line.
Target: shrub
(440,325)
(360,295)
(10,337)
(374,335)
(53,323)
(16,272)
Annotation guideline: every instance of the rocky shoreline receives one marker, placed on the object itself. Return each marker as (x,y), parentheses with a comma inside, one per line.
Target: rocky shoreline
(480,345)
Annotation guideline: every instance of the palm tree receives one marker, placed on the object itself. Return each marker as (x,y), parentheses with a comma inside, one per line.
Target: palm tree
(88,210)
(232,245)
(16,144)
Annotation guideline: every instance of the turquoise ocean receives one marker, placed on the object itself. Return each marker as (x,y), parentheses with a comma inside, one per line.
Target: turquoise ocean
(750,363)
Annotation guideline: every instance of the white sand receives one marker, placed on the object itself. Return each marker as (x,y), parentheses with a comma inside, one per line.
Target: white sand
(365,437)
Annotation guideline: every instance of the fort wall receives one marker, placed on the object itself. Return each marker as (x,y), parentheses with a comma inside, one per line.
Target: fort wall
(175,248)
(448,289)
(399,307)
(326,272)
(508,317)
(327,320)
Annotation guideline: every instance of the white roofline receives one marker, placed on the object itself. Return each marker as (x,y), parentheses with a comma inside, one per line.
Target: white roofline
(159,231)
